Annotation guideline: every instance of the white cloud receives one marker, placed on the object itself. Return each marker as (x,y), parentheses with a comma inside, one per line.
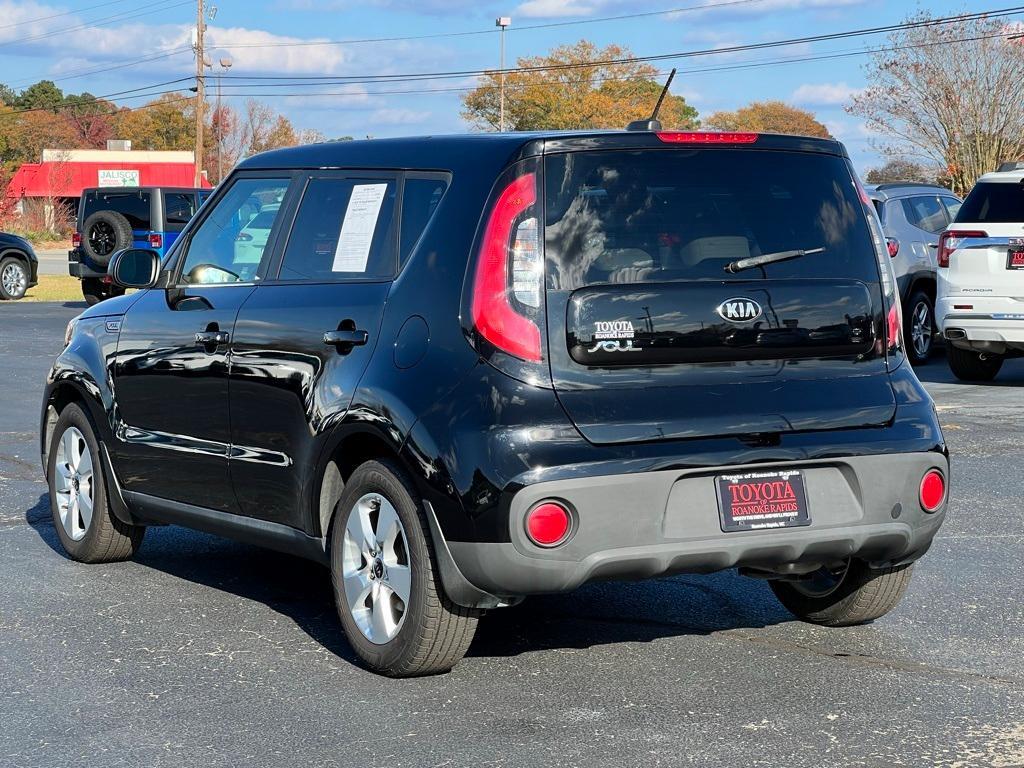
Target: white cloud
(547,9)
(825,94)
(398,117)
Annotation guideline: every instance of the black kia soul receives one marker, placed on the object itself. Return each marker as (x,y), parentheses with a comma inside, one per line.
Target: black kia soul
(461,370)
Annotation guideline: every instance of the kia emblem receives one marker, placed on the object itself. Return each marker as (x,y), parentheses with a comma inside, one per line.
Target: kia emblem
(739,309)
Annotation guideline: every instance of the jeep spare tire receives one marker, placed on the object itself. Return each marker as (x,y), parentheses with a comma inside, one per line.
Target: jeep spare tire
(103,234)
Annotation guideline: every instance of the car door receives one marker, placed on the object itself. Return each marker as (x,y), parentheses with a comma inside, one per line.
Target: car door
(170,374)
(304,338)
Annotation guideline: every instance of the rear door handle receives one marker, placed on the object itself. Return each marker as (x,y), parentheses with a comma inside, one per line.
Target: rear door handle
(344,340)
(212,338)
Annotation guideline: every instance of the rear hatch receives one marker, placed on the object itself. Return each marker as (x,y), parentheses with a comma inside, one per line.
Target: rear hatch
(655,332)
(984,248)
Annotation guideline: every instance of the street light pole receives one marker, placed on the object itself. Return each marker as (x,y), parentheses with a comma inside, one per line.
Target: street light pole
(503,22)
(200,90)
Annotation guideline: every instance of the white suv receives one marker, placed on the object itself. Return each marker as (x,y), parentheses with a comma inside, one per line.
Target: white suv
(980,306)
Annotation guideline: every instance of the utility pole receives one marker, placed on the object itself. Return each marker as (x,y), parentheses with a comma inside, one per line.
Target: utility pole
(503,22)
(200,90)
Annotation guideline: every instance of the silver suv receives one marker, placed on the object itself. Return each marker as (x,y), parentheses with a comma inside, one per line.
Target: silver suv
(913,215)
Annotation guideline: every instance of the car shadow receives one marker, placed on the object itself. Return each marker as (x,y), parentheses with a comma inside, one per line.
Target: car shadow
(936,371)
(597,614)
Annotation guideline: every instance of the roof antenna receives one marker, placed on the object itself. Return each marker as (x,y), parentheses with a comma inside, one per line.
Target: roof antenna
(653,123)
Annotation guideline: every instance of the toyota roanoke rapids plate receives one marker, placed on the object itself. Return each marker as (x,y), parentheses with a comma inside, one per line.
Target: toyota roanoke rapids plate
(464,370)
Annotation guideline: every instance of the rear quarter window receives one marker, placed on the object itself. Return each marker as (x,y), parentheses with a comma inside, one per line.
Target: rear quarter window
(993,202)
(662,215)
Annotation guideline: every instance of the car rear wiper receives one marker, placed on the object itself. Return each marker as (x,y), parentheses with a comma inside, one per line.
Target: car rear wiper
(768,258)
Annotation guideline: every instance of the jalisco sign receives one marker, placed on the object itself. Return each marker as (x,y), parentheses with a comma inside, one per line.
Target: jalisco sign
(118,178)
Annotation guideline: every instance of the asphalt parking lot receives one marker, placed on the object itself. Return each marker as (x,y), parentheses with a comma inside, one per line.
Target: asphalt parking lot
(204,652)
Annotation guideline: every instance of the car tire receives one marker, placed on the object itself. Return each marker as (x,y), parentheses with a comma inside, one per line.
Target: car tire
(381,552)
(95,290)
(919,327)
(103,234)
(853,594)
(13,278)
(86,525)
(968,365)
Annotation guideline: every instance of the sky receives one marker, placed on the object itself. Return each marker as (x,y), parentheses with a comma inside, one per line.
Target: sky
(135,48)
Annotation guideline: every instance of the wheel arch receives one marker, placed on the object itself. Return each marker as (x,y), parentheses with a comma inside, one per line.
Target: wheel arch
(17,253)
(349,446)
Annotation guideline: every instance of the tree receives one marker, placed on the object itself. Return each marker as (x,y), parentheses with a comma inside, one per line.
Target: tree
(901,169)
(90,119)
(951,93)
(7,95)
(43,95)
(769,117)
(545,93)
(162,124)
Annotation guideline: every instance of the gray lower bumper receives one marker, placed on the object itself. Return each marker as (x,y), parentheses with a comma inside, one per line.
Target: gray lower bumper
(651,524)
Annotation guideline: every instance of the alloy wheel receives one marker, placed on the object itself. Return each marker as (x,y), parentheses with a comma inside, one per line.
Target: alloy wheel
(376,573)
(102,238)
(921,329)
(14,280)
(73,483)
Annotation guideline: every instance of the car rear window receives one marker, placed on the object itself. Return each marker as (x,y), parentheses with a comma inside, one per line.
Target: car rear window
(134,206)
(659,215)
(993,202)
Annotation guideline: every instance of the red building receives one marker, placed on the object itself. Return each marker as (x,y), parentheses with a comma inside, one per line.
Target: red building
(62,175)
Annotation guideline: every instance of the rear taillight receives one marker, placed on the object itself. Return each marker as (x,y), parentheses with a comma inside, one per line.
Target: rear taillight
(508,279)
(893,245)
(706,137)
(890,297)
(950,240)
(76,239)
(156,241)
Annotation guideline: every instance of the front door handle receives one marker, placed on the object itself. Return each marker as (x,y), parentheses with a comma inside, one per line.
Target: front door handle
(344,339)
(212,338)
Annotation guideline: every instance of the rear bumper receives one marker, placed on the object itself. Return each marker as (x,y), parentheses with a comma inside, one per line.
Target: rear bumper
(650,524)
(992,324)
(79,266)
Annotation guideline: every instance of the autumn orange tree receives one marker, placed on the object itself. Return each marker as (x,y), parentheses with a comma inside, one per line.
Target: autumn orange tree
(575,86)
(769,117)
(949,93)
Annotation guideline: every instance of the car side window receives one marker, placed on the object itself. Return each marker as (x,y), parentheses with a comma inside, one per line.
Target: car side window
(952,207)
(925,213)
(420,199)
(179,207)
(228,245)
(343,231)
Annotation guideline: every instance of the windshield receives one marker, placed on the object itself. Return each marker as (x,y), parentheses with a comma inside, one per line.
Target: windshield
(994,203)
(663,215)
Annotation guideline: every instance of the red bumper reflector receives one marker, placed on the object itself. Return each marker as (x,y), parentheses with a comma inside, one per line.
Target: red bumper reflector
(933,490)
(706,137)
(548,524)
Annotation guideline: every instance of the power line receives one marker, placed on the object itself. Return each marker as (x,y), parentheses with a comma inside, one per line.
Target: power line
(58,15)
(470,33)
(707,70)
(124,65)
(309,80)
(123,16)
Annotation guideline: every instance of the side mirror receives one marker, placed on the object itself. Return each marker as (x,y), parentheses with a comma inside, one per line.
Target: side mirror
(135,268)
